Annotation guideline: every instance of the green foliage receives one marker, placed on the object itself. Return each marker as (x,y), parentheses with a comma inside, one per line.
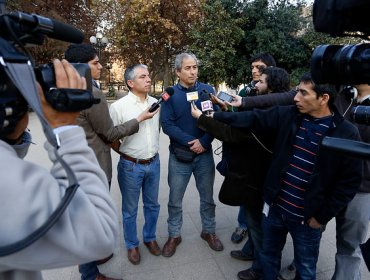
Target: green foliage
(111,91)
(277,32)
(152,32)
(214,40)
(224,34)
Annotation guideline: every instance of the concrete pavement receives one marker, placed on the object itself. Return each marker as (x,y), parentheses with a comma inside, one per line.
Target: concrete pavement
(193,260)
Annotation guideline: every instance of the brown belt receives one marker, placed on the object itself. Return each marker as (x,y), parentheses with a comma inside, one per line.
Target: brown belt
(136,160)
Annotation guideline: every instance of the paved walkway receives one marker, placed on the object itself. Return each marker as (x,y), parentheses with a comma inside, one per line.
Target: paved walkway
(194,260)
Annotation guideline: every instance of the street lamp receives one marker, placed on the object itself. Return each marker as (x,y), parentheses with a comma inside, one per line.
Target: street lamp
(99,41)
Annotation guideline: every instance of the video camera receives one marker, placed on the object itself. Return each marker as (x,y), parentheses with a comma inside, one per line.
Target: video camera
(18,30)
(18,92)
(344,65)
(349,64)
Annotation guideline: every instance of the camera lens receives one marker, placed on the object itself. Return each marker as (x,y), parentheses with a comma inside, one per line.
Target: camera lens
(322,63)
(336,64)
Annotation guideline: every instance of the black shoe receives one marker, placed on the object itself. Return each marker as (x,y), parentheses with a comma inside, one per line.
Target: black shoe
(249,274)
(239,255)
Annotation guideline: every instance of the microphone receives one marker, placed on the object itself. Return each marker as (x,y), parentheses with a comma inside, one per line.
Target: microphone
(52,28)
(207,106)
(168,92)
(192,96)
(206,103)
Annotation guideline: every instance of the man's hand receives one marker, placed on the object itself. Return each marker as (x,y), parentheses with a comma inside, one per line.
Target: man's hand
(236,102)
(66,76)
(146,115)
(195,112)
(115,145)
(196,146)
(312,222)
(217,101)
(19,129)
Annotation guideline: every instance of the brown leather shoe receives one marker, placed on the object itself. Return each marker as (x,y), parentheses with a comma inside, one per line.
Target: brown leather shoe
(133,255)
(212,241)
(153,247)
(170,247)
(102,277)
(102,261)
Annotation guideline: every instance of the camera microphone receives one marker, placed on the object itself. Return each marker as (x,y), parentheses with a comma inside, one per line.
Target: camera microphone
(32,23)
(168,92)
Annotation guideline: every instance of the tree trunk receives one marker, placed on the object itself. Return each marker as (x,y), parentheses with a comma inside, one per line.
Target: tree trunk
(166,71)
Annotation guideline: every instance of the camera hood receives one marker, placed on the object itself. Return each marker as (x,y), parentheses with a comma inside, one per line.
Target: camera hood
(341,16)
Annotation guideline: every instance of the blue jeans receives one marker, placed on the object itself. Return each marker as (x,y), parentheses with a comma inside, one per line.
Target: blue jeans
(242,219)
(306,242)
(88,271)
(132,178)
(203,168)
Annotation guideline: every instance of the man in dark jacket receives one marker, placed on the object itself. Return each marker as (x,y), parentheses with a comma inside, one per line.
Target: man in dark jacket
(258,63)
(352,222)
(306,185)
(243,184)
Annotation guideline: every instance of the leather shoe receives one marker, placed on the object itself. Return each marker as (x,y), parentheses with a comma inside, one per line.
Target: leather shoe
(249,274)
(153,247)
(239,255)
(133,255)
(212,241)
(102,261)
(170,247)
(102,277)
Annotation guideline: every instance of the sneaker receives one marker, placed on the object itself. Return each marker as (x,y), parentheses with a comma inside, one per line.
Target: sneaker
(238,235)
(288,272)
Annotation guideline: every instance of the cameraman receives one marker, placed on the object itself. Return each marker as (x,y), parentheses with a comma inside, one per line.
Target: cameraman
(352,223)
(29,194)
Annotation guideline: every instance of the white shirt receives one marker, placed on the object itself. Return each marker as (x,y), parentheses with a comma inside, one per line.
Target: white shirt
(145,143)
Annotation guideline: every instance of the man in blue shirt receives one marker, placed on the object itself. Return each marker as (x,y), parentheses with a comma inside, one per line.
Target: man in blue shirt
(190,153)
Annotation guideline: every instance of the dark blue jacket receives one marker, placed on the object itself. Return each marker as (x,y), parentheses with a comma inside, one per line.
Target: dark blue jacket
(335,179)
(176,118)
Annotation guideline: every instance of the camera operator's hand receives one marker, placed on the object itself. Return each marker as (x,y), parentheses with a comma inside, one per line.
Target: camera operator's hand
(16,135)
(66,76)
(236,102)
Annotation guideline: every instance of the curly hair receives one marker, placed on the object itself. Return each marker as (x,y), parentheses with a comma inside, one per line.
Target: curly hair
(277,79)
(80,53)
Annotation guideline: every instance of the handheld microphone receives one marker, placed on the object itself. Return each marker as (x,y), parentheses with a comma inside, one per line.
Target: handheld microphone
(52,28)
(206,106)
(168,92)
(192,96)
